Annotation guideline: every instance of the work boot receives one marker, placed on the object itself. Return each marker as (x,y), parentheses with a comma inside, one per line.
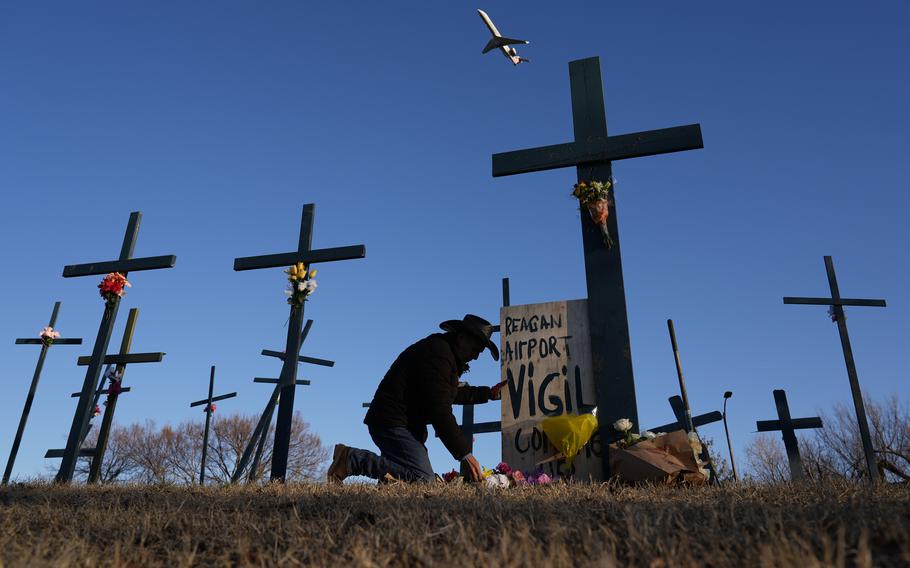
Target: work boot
(338,471)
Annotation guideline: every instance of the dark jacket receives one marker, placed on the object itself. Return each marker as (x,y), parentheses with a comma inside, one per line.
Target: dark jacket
(420,388)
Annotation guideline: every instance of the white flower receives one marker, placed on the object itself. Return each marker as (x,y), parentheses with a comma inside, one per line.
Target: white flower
(649,435)
(311,286)
(497,480)
(622,425)
(289,292)
(301,286)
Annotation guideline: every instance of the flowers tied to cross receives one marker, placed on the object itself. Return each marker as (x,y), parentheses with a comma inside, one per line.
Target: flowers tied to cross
(301,283)
(210,408)
(597,198)
(112,287)
(48,335)
(114,376)
(97,411)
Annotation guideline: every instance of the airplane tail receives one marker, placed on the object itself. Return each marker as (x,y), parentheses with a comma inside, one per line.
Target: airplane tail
(498,41)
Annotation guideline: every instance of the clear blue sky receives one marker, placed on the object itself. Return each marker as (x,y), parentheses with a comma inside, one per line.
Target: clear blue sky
(219,120)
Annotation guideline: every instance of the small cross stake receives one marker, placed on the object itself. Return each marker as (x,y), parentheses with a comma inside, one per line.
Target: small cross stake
(124,264)
(208,418)
(34,386)
(257,439)
(786,426)
(837,303)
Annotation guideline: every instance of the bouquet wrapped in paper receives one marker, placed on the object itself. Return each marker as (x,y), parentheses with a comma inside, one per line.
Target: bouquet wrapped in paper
(666,458)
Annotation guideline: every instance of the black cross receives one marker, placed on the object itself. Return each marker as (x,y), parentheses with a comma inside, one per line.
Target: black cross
(679,410)
(34,386)
(124,264)
(591,153)
(257,440)
(121,360)
(307,255)
(208,418)
(837,303)
(787,425)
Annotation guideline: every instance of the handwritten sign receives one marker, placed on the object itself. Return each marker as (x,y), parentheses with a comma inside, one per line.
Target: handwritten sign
(546,363)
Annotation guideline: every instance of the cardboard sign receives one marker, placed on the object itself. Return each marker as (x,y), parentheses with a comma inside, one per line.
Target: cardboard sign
(546,363)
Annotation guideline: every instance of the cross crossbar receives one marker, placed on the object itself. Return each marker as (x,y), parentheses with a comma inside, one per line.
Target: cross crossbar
(697,421)
(122,266)
(301,358)
(38,341)
(123,359)
(795,423)
(214,399)
(308,257)
(835,302)
(599,149)
(58,453)
(102,391)
(301,382)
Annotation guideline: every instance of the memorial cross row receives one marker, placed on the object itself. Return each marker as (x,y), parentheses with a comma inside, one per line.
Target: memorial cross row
(208,418)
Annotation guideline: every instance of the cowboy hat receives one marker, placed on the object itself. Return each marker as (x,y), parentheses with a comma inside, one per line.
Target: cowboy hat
(476,326)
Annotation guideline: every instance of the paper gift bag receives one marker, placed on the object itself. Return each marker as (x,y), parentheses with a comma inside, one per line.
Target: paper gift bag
(665,459)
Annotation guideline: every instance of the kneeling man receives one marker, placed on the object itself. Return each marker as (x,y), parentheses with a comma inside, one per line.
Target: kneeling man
(419,390)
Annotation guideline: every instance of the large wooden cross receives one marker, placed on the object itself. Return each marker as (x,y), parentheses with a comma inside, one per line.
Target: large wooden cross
(124,265)
(786,425)
(29,399)
(591,153)
(209,409)
(837,305)
(307,255)
(679,411)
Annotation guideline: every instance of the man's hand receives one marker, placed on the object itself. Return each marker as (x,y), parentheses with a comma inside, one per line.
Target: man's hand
(496,391)
(471,468)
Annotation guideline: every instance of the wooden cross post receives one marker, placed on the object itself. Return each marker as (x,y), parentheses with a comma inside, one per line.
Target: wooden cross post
(786,426)
(307,255)
(124,265)
(591,154)
(34,386)
(468,426)
(208,418)
(837,304)
(262,428)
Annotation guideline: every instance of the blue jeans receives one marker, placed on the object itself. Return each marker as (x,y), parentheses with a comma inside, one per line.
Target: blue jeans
(403,456)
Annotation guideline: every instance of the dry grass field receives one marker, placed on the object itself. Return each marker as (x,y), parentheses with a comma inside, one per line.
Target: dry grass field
(552,526)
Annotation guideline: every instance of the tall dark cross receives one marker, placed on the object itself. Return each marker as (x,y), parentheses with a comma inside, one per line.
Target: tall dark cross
(591,153)
(837,305)
(34,386)
(208,418)
(307,255)
(786,425)
(113,391)
(124,265)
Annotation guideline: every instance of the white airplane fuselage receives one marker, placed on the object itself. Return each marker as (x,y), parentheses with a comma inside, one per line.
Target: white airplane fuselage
(506,50)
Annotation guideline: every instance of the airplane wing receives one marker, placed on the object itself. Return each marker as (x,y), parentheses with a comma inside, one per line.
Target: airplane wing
(498,42)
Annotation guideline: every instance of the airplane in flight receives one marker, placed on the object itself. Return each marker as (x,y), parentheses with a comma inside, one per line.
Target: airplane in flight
(502,43)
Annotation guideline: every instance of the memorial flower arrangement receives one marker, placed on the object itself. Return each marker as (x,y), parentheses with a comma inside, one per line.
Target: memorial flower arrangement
(503,477)
(114,375)
(48,335)
(597,198)
(210,408)
(113,286)
(97,411)
(301,283)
